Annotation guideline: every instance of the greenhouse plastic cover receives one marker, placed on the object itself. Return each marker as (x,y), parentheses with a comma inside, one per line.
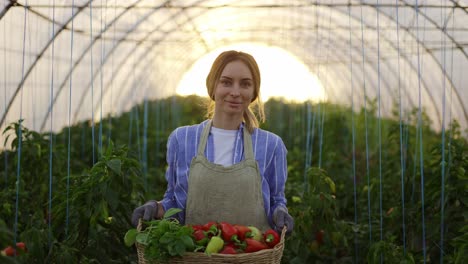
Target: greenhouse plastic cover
(68,61)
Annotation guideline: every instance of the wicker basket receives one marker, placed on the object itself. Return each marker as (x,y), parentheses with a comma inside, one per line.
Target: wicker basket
(270,256)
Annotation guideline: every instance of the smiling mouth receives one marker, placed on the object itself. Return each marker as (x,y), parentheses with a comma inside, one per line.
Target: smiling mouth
(237,103)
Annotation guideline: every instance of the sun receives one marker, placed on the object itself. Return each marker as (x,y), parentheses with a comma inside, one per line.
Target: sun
(283,75)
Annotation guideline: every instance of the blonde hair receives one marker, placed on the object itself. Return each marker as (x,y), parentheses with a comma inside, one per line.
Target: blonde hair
(250,118)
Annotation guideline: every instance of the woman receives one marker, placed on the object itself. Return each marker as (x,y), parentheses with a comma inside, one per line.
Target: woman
(226,168)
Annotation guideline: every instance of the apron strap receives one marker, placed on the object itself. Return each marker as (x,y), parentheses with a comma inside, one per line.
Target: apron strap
(248,148)
(204,138)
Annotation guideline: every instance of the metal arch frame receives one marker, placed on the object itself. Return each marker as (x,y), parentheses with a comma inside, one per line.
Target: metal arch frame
(141,41)
(433,56)
(425,86)
(459,6)
(140,59)
(39,56)
(439,28)
(7,7)
(80,58)
(429,51)
(108,56)
(435,60)
(124,63)
(405,59)
(330,7)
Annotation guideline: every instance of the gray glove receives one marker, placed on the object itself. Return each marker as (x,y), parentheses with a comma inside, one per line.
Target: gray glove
(281,218)
(148,212)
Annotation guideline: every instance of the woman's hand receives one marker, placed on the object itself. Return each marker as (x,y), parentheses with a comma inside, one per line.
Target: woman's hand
(282,218)
(149,211)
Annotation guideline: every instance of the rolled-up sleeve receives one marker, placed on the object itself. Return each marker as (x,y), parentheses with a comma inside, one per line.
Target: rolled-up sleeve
(169,200)
(277,173)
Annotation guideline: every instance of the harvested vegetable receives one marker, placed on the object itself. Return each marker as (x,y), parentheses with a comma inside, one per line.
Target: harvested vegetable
(163,238)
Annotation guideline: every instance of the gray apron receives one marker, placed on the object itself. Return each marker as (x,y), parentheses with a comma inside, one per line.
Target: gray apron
(232,194)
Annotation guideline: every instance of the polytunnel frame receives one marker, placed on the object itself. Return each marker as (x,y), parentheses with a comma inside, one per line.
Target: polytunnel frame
(405,58)
(198,34)
(81,8)
(121,14)
(426,49)
(64,26)
(107,56)
(429,52)
(355,47)
(140,60)
(141,41)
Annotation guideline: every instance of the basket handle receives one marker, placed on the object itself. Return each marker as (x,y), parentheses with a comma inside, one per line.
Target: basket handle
(283,233)
(140,225)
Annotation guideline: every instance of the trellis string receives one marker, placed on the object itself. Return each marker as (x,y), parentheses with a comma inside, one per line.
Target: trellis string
(101,84)
(442,185)
(353,135)
(402,160)
(308,152)
(322,123)
(5,94)
(320,104)
(109,130)
(92,76)
(69,118)
(379,118)
(20,136)
(130,126)
(145,142)
(365,124)
(421,155)
(51,135)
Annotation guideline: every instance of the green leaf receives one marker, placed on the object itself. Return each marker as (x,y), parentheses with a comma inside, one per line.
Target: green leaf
(142,238)
(115,165)
(130,237)
(166,238)
(171,212)
(176,248)
(187,241)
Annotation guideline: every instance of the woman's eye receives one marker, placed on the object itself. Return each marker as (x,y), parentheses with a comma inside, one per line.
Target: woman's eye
(225,83)
(246,84)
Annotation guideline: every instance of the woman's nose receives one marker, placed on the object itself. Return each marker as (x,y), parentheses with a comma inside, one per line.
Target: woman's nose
(235,91)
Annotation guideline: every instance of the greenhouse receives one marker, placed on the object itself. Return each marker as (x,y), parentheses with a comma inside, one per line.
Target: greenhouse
(369,98)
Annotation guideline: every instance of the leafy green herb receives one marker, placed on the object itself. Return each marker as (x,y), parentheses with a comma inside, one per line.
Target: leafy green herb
(163,238)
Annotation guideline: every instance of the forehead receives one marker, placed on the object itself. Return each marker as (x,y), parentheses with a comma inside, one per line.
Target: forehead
(236,68)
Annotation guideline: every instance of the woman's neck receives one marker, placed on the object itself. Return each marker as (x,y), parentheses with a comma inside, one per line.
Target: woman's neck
(228,123)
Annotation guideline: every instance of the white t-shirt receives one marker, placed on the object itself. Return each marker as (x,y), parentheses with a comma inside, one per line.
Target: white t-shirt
(223,145)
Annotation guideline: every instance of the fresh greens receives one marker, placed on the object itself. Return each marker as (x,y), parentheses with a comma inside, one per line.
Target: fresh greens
(163,238)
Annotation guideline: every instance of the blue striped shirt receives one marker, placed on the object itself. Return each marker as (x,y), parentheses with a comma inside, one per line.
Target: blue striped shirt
(269,151)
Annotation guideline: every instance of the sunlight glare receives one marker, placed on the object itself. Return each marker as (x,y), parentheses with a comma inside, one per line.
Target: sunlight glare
(283,75)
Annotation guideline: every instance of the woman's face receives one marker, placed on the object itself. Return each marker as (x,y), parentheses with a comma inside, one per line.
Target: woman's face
(234,90)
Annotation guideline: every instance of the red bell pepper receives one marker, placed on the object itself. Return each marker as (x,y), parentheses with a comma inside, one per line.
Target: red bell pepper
(319,236)
(253,245)
(208,225)
(200,237)
(229,249)
(271,237)
(242,231)
(196,227)
(228,232)
(11,251)
(211,228)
